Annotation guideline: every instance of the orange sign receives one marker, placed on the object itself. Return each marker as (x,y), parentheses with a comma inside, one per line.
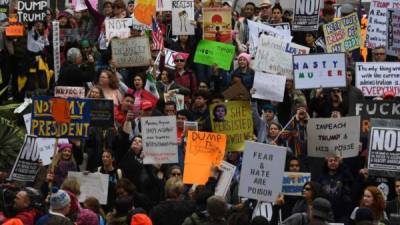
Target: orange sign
(144,11)
(15,30)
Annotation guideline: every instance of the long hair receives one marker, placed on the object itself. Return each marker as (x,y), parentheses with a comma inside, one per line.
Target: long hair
(378,206)
(113,80)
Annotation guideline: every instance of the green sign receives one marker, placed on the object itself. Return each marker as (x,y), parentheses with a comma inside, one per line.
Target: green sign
(212,52)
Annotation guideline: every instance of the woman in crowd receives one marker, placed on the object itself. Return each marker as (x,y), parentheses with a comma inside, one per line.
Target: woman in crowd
(109,83)
(244,70)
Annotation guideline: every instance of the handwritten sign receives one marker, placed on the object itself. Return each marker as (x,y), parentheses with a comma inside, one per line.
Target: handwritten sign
(212,52)
(306,15)
(56,49)
(217,24)
(44,125)
(233,119)
(319,70)
(203,150)
(393,32)
(343,35)
(262,169)
(377,24)
(374,79)
(274,56)
(159,140)
(225,178)
(333,136)
(117,28)
(131,52)
(284,27)
(15,31)
(293,183)
(182,15)
(269,86)
(31,10)
(26,165)
(92,185)
(69,92)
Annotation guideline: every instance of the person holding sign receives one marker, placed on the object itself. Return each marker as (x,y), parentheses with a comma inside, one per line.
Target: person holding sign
(63,163)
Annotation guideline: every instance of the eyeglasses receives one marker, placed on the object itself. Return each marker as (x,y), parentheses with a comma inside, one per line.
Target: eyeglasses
(179,60)
(175,174)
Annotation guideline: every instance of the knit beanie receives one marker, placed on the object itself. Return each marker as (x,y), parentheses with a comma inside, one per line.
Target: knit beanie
(246,56)
(59,199)
(87,217)
(141,219)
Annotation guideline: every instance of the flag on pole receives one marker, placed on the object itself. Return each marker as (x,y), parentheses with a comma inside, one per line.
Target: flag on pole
(157,36)
(150,90)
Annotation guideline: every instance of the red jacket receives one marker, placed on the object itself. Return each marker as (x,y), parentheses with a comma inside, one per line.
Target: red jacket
(187,80)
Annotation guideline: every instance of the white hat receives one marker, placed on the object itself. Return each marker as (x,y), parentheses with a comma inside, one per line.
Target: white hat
(264,3)
(59,199)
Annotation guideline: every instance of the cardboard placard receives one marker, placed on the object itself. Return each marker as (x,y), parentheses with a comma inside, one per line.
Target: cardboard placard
(131,52)
(217,24)
(117,28)
(269,86)
(92,185)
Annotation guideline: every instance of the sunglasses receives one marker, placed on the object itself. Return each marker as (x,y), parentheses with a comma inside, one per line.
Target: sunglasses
(179,60)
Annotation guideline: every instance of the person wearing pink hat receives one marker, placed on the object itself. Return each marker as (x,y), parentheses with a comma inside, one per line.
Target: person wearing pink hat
(244,71)
(183,77)
(63,163)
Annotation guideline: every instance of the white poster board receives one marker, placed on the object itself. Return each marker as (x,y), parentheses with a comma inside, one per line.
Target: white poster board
(319,71)
(333,136)
(117,28)
(375,78)
(274,56)
(163,5)
(92,185)
(262,171)
(393,32)
(224,181)
(159,140)
(69,92)
(269,86)
(182,15)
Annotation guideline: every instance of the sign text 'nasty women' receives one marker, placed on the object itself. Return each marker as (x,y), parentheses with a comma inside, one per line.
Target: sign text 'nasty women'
(44,125)
(31,10)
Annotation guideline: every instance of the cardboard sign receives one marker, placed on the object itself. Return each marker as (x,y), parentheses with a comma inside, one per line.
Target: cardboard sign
(117,28)
(182,15)
(101,113)
(333,136)
(26,165)
(319,70)
(217,24)
(69,92)
(262,171)
(159,140)
(368,109)
(212,52)
(306,15)
(374,79)
(234,119)
(293,183)
(343,35)
(225,178)
(44,125)
(203,150)
(377,24)
(384,146)
(257,29)
(131,52)
(393,32)
(236,91)
(164,5)
(31,10)
(274,56)
(56,49)
(92,185)
(15,31)
(269,86)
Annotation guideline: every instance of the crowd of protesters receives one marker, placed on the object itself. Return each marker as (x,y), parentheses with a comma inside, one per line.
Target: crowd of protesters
(341,190)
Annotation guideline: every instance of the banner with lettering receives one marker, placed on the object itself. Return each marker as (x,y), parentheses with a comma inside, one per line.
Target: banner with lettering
(306,15)
(234,119)
(376,78)
(31,10)
(27,163)
(212,52)
(293,183)
(262,171)
(182,15)
(343,35)
(319,70)
(44,113)
(393,32)
(131,52)
(333,136)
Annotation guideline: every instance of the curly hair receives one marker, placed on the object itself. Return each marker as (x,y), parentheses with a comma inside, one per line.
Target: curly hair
(113,79)
(378,205)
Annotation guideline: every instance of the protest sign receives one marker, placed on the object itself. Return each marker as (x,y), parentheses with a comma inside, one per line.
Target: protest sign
(92,185)
(225,178)
(338,10)
(333,136)
(262,171)
(293,183)
(284,27)
(236,91)
(319,70)
(131,52)
(159,140)
(217,24)
(376,78)
(233,119)
(69,92)
(377,24)
(384,146)
(101,113)
(178,99)
(80,5)
(69,35)
(15,31)
(257,29)
(26,165)
(306,15)
(119,28)
(164,5)
(4,8)
(182,15)
(31,10)
(269,86)
(56,49)
(144,11)
(393,32)
(275,56)
(212,4)
(212,52)
(343,35)
(368,109)
(169,60)
(45,125)
(203,150)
